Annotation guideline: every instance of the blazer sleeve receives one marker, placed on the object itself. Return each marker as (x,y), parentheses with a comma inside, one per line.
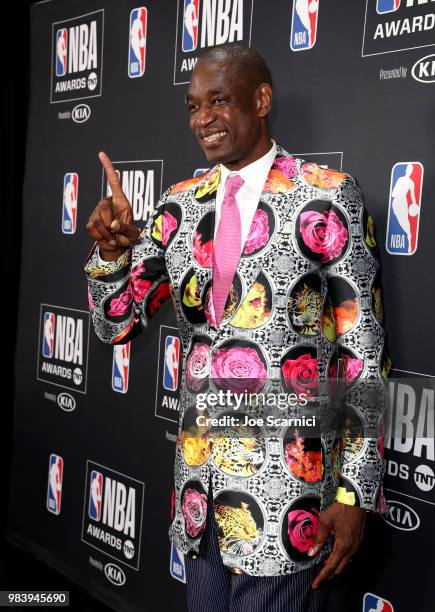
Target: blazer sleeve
(124,294)
(353,296)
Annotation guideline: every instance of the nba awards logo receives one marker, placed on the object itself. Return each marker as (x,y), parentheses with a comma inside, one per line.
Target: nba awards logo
(77,57)
(206,23)
(69,206)
(304,24)
(168,374)
(141,181)
(137,42)
(63,347)
(121,367)
(55,478)
(404,208)
(398,25)
(112,514)
(374,603)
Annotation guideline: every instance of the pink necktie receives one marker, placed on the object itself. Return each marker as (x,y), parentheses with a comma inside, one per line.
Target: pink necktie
(227,245)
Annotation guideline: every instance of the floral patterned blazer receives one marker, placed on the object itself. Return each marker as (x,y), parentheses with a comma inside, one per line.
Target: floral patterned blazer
(305,300)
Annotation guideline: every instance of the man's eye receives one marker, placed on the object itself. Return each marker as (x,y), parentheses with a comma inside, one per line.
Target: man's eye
(191,108)
(219,100)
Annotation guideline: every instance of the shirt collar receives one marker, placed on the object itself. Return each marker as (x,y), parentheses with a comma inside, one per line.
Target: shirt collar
(255,173)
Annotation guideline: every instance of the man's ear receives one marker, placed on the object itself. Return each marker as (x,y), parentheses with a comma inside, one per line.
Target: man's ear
(264,99)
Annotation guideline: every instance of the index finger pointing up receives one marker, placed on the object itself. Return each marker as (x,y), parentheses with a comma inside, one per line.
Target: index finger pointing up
(112,177)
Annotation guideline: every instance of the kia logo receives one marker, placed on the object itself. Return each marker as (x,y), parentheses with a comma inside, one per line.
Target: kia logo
(66,402)
(402,516)
(81,113)
(424,70)
(114,574)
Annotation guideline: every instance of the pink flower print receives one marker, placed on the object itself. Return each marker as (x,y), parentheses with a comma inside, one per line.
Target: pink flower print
(169,224)
(202,252)
(141,286)
(323,233)
(302,527)
(258,234)
(120,305)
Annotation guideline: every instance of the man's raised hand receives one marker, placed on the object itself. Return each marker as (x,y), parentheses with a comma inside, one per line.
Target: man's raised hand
(111,222)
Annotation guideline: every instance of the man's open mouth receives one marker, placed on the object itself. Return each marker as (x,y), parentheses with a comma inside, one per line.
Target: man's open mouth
(214,138)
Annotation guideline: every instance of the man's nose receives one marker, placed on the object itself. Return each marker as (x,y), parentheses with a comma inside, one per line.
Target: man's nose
(204,116)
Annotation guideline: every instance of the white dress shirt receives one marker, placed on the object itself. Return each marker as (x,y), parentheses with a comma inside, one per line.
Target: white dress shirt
(254,176)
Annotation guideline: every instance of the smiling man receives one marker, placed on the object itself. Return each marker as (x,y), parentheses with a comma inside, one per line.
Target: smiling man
(267,258)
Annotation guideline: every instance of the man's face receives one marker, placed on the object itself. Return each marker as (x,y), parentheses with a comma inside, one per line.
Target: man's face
(223,113)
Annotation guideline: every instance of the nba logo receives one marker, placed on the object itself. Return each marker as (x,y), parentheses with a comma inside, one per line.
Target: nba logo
(55,476)
(61,51)
(95,495)
(137,42)
(404,208)
(48,339)
(177,567)
(190,25)
(374,603)
(69,209)
(304,24)
(120,367)
(387,6)
(172,356)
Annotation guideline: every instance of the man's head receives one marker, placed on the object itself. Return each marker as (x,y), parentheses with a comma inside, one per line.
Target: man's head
(229,98)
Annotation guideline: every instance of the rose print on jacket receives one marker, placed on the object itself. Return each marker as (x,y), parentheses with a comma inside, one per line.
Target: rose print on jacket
(194,509)
(198,366)
(300,523)
(238,367)
(323,233)
(141,285)
(120,305)
(261,229)
(299,371)
(202,246)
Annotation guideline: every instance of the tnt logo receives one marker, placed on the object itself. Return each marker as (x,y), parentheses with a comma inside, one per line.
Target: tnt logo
(374,603)
(77,48)
(172,358)
(404,208)
(137,42)
(61,51)
(387,6)
(64,341)
(190,25)
(141,182)
(69,206)
(113,521)
(48,335)
(121,367)
(55,478)
(206,23)
(95,496)
(304,24)
(177,567)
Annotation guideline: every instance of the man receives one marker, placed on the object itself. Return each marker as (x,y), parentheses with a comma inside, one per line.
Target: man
(271,264)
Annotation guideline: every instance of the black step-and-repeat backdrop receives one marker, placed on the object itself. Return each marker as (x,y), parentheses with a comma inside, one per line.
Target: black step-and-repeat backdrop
(354,90)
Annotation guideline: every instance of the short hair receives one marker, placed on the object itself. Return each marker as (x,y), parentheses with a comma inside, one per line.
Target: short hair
(247,59)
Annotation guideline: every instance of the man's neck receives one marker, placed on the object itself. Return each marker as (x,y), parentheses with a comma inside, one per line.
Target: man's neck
(263,147)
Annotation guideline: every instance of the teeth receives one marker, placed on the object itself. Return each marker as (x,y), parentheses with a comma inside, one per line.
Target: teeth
(214,136)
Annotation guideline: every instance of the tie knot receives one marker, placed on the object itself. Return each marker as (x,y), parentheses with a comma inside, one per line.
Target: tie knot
(233,184)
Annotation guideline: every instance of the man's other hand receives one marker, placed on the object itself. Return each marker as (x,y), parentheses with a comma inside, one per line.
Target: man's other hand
(346,523)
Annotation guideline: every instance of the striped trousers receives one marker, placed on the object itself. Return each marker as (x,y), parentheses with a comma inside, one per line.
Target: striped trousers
(211,587)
